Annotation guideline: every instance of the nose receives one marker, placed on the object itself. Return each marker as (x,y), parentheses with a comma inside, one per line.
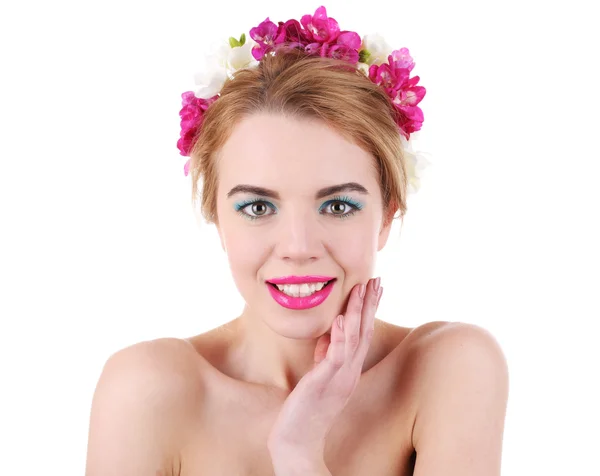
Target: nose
(298,236)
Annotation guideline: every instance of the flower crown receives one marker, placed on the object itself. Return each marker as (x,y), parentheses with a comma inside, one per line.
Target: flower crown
(318,35)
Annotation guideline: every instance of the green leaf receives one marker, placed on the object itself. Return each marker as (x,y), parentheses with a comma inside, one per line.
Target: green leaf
(243,39)
(363,56)
(233,42)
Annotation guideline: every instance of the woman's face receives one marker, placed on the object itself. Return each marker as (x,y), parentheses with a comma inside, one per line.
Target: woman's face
(295,226)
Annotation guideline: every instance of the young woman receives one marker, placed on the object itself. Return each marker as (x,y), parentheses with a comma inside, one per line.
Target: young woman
(304,165)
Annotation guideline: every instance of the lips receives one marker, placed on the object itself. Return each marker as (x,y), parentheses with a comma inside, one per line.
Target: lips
(300,279)
(299,303)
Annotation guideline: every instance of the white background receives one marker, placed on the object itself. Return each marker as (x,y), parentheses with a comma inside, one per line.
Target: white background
(100,247)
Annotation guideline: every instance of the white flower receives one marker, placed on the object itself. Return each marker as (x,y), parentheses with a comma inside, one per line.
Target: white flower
(220,64)
(376,45)
(241,56)
(415,162)
(364,67)
(209,82)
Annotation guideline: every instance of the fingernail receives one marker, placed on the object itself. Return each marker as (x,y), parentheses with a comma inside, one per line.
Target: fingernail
(379,295)
(361,291)
(376,284)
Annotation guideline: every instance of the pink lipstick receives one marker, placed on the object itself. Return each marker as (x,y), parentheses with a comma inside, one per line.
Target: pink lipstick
(300,279)
(298,303)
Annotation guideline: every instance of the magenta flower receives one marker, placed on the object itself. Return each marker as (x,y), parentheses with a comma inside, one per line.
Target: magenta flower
(192,115)
(267,35)
(393,77)
(291,31)
(320,35)
(317,35)
(322,28)
(333,51)
(328,40)
(346,47)
(401,59)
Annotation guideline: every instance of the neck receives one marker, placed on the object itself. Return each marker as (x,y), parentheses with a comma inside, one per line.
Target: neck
(275,352)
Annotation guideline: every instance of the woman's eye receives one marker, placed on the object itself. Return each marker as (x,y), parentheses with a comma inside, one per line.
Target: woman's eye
(338,207)
(257,209)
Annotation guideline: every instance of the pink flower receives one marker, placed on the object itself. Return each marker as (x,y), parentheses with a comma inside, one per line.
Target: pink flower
(291,31)
(401,59)
(317,35)
(328,40)
(322,28)
(393,77)
(192,114)
(336,51)
(267,35)
(346,47)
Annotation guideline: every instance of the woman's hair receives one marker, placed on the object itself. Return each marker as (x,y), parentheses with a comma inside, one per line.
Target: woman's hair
(296,84)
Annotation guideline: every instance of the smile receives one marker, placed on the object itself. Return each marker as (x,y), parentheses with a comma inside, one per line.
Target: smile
(300,296)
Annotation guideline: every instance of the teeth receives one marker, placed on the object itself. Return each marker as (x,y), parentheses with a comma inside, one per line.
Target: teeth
(300,290)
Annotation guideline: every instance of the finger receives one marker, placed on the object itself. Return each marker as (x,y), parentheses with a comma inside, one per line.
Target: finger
(352,320)
(369,307)
(336,354)
(368,319)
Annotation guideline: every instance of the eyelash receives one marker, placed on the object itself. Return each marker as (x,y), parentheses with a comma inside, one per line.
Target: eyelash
(356,206)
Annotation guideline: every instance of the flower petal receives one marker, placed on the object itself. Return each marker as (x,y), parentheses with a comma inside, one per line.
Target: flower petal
(292,32)
(264,34)
(376,45)
(350,39)
(401,59)
(321,28)
(240,57)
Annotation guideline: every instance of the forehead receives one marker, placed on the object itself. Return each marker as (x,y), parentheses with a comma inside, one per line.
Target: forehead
(287,153)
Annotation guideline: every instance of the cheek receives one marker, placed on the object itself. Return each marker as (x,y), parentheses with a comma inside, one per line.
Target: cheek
(246,253)
(355,251)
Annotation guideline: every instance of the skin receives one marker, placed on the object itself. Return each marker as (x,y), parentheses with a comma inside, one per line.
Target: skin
(309,412)
(441,393)
(295,234)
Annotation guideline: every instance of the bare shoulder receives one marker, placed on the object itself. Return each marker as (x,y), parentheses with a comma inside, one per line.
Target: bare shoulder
(442,349)
(444,336)
(461,394)
(143,398)
(435,344)
(169,367)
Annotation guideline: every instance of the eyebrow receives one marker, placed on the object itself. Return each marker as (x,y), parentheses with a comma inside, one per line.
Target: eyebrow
(324,192)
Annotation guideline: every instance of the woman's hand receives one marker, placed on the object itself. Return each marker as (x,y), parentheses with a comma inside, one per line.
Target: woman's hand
(309,411)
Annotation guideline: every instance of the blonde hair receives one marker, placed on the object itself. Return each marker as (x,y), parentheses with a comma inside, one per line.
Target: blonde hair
(299,85)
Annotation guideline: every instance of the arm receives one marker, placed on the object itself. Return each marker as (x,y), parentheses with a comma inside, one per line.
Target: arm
(136,423)
(460,416)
